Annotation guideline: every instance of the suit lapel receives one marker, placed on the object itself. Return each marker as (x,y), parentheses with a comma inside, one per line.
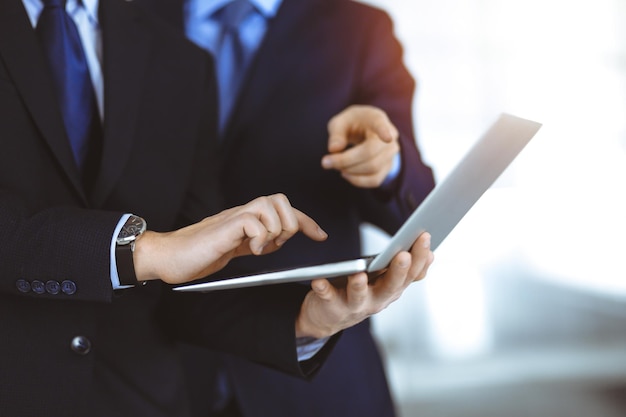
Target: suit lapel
(126,46)
(24,61)
(264,74)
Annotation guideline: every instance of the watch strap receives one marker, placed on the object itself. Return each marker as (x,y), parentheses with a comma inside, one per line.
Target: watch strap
(125,264)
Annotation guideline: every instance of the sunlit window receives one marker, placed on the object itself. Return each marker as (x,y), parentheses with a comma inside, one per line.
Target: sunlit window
(558,214)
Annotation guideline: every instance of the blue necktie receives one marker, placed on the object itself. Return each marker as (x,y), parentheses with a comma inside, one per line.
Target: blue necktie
(231,56)
(64,52)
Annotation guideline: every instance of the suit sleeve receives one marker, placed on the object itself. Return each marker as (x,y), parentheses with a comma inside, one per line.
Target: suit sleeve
(61,245)
(386,83)
(256,323)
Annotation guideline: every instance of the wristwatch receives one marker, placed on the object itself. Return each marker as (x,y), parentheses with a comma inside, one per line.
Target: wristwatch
(124,248)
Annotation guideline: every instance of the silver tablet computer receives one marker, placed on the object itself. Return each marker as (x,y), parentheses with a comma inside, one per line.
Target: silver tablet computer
(438,214)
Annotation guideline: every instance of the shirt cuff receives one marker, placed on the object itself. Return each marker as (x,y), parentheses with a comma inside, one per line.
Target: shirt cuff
(307,347)
(115,278)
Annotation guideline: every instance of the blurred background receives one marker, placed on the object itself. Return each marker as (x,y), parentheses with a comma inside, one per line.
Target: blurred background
(524,311)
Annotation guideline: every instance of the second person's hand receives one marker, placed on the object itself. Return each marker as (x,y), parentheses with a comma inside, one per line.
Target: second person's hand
(362,143)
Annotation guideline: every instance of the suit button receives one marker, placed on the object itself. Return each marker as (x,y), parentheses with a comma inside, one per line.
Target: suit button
(68,287)
(38,287)
(81,345)
(53,287)
(22,285)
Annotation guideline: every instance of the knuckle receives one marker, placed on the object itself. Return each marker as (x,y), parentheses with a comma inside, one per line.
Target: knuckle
(247,216)
(290,229)
(280,197)
(380,117)
(259,202)
(249,219)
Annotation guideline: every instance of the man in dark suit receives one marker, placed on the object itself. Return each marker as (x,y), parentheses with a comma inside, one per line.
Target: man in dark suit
(309,60)
(80,335)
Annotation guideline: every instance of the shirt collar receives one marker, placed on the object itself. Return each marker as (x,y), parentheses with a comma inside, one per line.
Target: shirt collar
(34,8)
(91,7)
(268,8)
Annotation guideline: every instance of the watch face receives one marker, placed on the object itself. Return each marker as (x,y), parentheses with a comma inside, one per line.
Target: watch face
(133,227)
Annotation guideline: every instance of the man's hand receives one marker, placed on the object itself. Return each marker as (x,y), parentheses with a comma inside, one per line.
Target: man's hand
(362,143)
(326,309)
(193,252)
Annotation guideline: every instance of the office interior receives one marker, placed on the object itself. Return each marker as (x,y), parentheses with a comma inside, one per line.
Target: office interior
(524,311)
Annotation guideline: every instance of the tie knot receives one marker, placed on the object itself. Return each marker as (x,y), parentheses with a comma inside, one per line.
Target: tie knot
(54,3)
(233,13)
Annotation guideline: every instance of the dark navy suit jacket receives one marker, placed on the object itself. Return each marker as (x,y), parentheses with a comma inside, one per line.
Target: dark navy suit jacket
(317,58)
(55,237)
